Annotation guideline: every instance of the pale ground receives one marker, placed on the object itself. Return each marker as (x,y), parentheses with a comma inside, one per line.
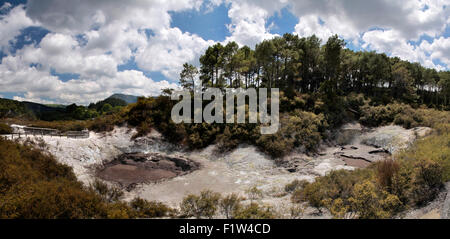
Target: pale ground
(237,171)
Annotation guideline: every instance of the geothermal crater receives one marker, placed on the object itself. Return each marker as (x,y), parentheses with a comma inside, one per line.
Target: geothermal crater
(133,168)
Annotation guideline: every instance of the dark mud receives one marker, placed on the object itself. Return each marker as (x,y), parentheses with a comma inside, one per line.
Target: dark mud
(133,168)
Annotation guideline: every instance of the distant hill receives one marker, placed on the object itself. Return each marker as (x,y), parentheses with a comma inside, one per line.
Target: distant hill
(14,108)
(129,99)
(49,112)
(30,110)
(37,108)
(112,102)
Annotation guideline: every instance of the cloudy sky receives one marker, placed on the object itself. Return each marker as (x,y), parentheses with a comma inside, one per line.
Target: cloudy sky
(64,51)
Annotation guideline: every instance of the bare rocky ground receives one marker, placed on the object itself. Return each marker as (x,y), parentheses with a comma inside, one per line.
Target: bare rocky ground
(236,171)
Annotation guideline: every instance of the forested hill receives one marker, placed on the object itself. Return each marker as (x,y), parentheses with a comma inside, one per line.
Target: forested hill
(129,99)
(304,65)
(34,111)
(12,108)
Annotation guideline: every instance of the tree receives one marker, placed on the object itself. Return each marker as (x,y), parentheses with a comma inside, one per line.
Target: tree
(188,76)
(403,84)
(211,63)
(247,66)
(106,108)
(264,53)
(231,61)
(444,85)
(332,55)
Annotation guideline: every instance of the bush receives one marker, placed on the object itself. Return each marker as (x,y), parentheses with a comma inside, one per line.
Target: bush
(294,185)
(148,209)
(119,210)
(229,204)
(109,194)
(53,199)
(401,183)
(254,211)
(254,193)
(336,184)
(369,203)
(300,129)
(5,129)
(386,170)
(35,185)
(296,211)
(381,115)
(402,114)
(432,148)
(428,181)
(198,206)
(338,208)
(386,188)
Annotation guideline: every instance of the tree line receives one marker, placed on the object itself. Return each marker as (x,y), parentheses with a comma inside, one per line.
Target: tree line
(305,65)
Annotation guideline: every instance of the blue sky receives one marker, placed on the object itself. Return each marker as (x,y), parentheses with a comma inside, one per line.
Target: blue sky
(58,51)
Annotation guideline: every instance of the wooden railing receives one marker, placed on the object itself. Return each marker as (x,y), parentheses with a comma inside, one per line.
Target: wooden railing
(26,131)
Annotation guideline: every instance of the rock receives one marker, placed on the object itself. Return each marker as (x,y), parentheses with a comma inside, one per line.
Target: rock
(422,131)
(392,138)
(328,165)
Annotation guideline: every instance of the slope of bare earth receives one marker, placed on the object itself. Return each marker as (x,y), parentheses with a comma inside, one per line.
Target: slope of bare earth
(236,171)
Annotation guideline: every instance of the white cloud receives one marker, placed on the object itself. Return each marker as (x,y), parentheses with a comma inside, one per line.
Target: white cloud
(37,84)
(439,49)
(349,18)
(84,15)
(91,38)
(381,25)
(11,24)
(169,49)
(391,41)
(248,21)
(310,25)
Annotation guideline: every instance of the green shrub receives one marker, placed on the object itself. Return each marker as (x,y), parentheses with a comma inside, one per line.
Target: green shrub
(294,185)
(35,185)
(380,115)
(254,211)
(428,181)
(5,129)
(198,206)
(109,194)
(402,114)
(229,204)
(148,209)
(370,203)
(254,193)
(300,129)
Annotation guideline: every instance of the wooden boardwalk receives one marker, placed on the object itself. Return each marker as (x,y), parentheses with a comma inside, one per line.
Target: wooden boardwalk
(24,131)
